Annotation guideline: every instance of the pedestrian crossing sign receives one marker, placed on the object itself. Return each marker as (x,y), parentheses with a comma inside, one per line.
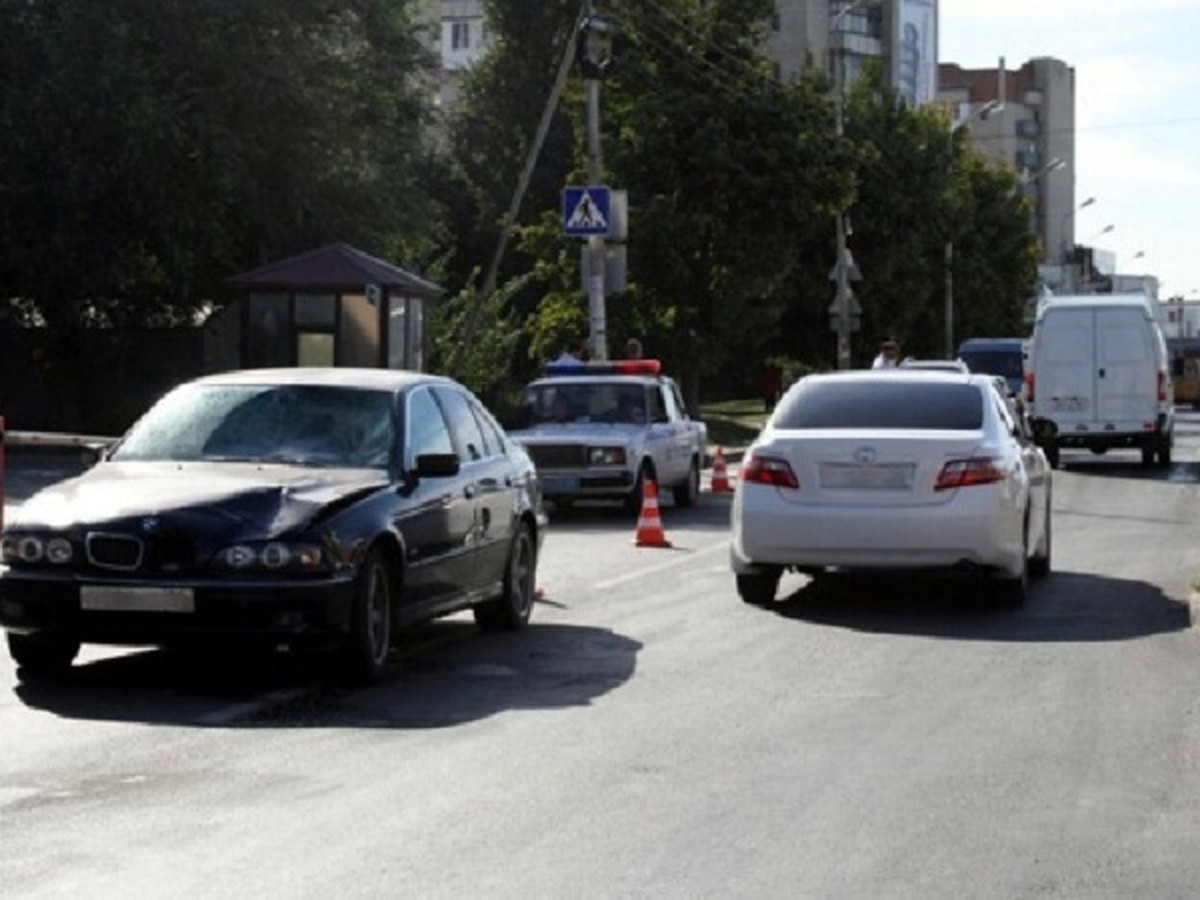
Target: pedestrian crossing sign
(586,211)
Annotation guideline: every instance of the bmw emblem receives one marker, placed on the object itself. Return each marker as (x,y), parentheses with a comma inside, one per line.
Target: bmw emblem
(150,523)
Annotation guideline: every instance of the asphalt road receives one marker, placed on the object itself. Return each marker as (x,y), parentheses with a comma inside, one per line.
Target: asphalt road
(651,736)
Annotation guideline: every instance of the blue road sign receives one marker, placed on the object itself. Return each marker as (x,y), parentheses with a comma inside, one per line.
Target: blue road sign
(586,211)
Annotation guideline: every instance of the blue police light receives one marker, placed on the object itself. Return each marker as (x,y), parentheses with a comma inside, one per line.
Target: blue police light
(611,367)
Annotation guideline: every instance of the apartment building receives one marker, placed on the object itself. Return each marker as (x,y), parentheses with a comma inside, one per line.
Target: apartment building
(459,32)
(901,34)
(843,37)
(1032,128)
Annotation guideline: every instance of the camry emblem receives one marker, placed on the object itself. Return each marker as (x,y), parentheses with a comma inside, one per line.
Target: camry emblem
(864,454)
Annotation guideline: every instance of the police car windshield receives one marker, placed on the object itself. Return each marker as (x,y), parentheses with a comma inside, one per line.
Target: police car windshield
(599,401)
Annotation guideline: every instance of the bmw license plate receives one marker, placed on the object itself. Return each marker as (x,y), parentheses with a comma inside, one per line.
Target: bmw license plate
(137,599)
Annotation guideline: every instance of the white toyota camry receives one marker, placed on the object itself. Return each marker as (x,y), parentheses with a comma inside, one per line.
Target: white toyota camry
(900,469)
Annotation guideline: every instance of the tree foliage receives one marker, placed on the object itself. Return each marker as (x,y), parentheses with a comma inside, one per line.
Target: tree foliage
(150,149)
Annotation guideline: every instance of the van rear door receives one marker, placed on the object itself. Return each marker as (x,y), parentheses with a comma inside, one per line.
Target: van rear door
(1126,370)
(1064,363)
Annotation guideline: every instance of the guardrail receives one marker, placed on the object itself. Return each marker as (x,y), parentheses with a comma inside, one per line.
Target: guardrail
(50,440)
(53,440)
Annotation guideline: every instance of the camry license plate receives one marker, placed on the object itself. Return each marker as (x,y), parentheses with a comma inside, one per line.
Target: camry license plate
(137,599)
(893,477)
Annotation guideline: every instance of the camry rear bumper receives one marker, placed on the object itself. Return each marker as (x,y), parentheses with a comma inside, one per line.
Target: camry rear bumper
(816,538)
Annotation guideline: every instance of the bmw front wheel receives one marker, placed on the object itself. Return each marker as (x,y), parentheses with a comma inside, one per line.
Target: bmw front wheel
(370,639)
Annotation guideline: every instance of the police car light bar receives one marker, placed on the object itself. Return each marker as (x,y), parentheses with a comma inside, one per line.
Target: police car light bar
(611,367)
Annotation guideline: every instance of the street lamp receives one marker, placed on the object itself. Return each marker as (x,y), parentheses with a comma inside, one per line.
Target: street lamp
(843,302)
(1066,243)
(981,114)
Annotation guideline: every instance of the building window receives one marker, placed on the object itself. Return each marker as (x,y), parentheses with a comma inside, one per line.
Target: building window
(460,35)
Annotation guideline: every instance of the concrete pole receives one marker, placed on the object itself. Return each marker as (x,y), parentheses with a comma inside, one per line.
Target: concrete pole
(595,243)
(597,316)
(842,299)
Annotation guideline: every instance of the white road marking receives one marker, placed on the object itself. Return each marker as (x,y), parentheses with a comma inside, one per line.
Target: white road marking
(674,561)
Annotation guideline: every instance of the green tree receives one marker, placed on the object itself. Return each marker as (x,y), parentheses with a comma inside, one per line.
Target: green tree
(920,185)
(728,173)
(150,149)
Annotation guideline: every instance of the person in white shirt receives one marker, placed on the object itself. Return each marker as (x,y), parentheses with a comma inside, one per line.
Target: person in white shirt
(889,355)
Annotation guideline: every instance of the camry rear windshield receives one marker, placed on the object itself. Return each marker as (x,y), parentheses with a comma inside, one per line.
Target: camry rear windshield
(882,404)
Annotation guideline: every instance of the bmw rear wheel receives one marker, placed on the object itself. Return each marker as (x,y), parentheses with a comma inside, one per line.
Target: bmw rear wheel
(370,639)
(512,608)
(758,588)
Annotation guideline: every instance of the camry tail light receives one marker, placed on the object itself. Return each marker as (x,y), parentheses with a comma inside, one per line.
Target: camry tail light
(965,472)
(769,470)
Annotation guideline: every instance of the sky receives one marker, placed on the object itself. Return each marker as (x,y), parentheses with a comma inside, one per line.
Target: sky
(1137,115)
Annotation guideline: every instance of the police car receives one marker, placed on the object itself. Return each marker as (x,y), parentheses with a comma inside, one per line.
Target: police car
(600,430)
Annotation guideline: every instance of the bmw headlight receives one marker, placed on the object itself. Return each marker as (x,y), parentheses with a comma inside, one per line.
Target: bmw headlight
(32,549)
(606,456)
(274,556)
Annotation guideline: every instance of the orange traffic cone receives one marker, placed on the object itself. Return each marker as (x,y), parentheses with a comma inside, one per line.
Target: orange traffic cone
(649,528)
(720,478)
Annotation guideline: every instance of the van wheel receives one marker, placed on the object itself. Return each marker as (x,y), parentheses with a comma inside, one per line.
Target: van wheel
(1147,456)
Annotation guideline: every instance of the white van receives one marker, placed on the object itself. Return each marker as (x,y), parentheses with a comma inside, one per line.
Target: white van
(1098,377)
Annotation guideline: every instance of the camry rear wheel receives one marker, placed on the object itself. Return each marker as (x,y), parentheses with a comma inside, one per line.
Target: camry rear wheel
(512,608)
(758,588)
(1011,590)
(44,653)
(1039,565)
(370,639)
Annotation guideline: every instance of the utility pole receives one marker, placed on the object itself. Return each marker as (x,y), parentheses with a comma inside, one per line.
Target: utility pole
(948,254)
(595,56)
(510,217)
(843,309)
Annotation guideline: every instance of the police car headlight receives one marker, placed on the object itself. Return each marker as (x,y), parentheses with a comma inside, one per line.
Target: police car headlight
(606,456)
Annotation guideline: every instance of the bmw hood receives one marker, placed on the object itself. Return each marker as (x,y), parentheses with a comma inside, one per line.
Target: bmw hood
(240,501)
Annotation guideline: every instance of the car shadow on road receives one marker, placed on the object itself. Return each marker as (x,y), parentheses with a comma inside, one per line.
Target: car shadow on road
(1124,465)
(444,674)
(1065,607)
(710,513)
